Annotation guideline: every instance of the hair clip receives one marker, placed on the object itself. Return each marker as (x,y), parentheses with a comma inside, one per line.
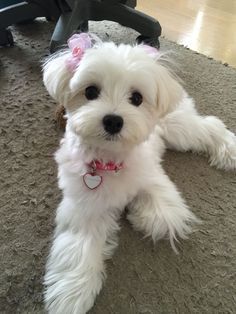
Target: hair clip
(78,44)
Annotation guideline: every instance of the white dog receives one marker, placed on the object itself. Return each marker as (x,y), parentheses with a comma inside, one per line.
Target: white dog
(123,107)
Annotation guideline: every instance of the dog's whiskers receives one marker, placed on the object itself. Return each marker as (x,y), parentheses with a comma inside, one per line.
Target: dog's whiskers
(110,138)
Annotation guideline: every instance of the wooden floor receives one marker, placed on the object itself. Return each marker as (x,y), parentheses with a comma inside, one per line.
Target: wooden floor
(206,26)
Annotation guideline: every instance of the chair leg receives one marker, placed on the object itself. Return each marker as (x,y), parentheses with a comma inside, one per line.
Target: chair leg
(15,14)
(24,11)
(131,3)
(20,12)
(69,22)
(142,23)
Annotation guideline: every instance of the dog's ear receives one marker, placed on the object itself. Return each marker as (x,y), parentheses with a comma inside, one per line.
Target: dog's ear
(56,77)
(169,90)
(60,68)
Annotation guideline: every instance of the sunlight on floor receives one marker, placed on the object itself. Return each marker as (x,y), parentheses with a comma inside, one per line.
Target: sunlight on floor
(206,26)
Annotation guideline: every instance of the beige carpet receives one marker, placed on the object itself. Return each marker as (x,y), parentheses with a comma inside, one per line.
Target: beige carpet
(141,278)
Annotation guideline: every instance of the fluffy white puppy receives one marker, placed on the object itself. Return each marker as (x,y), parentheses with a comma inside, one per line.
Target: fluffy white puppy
(123,107)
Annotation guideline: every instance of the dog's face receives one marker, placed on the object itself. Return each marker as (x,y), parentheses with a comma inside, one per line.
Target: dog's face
(115,96)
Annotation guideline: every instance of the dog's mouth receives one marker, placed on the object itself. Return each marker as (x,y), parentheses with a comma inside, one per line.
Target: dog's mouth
(111,138)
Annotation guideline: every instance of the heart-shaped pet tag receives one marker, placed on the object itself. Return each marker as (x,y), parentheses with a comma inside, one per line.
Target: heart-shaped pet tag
(92,181)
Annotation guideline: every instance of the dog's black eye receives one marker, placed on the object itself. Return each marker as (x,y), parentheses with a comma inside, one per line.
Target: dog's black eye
(92,92)
(136,99)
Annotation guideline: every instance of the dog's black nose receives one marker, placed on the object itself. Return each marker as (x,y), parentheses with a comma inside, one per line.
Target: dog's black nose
(112,123)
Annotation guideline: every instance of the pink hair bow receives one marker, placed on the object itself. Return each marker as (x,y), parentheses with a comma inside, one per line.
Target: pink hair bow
(78,44)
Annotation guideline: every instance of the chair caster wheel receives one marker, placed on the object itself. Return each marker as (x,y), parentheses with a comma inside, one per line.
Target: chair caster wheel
(50,18)
(6,38)
(151,41)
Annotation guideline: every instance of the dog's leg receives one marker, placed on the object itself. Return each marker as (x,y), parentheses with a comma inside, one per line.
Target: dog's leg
(184,129)
(75,269)
(160,211)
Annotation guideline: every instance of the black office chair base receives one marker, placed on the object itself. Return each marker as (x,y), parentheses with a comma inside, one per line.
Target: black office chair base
(84,10)
(74,15)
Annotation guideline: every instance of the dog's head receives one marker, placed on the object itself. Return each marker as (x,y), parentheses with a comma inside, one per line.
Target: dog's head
(113,95)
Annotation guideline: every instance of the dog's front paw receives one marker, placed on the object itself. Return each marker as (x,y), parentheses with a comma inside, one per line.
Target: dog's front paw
(70,294)
(74,274)
(170,219)
(224,155)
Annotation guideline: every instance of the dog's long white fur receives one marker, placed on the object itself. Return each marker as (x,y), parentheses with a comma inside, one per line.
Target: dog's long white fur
(87,221)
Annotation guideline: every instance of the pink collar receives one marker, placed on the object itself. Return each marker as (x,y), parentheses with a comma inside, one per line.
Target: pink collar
(109,166)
